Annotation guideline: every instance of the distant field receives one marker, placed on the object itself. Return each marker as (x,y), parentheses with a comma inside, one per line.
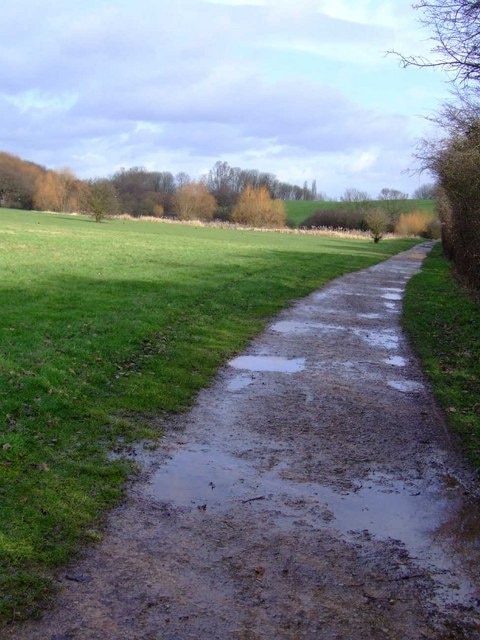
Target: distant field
(299,210)
(103,328)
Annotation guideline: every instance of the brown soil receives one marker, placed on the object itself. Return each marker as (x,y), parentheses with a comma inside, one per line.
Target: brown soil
(312,492)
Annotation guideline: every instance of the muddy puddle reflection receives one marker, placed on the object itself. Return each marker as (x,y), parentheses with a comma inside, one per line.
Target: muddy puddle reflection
(429,517)
(272,364)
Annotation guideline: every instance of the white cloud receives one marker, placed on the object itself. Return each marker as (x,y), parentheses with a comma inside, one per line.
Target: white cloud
(299,87)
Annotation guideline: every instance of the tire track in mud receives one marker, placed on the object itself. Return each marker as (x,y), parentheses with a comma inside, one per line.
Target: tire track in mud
(312,492)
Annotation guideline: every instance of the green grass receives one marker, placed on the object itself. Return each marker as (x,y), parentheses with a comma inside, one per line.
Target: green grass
(103,328)
(443,322)
(300,210)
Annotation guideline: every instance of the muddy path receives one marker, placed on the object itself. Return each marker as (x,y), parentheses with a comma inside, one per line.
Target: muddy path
(312,492)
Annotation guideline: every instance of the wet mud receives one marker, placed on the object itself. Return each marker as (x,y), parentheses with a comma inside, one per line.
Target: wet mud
(313,491)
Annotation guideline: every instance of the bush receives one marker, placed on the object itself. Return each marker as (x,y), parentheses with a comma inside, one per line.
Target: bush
(415,223)
(158,211)
(99,199)
(194,202)
(377,221)
(338,218)
(456,162)
(433,230)
(256,208)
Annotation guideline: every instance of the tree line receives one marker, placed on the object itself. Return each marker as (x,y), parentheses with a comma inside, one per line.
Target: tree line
(454,157)
(139,192)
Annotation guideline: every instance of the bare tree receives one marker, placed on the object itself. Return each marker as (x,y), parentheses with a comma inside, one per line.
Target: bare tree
(377,221)
(392,194)
(456,38)
(425,192)
(354,195)
(99,199)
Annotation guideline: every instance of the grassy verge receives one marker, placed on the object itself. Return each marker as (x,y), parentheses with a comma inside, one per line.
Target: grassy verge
(104,327)
(443,322)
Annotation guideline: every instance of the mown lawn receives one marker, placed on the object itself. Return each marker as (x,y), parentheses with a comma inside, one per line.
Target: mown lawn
(443,321)
(104,327)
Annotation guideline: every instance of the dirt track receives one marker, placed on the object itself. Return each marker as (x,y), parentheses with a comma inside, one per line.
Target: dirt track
(312,492)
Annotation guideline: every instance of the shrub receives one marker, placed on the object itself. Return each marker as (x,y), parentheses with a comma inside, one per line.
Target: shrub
(433,230)
(338,218)
(377,222)
(99,199)
(414,223)
(193,202)
(256,207)
(158,211)
(455,160)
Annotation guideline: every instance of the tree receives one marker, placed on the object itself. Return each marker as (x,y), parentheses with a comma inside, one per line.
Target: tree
(355,195)
(18,181)
(425,192)
(377,221)
(220,181)
(100,199)
(455,161)
(392,194)
(181,179)
(456,34)
(455,158)
(194,202)
(141,191)
(58,191)
(256,207)
(393,202)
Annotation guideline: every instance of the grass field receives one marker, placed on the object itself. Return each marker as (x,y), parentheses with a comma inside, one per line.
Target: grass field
(299,210)
(443,322)
(104,327)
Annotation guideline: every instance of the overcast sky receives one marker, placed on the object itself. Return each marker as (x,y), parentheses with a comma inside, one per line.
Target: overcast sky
(300,88)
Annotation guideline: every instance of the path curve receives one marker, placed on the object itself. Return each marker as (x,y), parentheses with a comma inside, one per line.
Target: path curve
(312,492)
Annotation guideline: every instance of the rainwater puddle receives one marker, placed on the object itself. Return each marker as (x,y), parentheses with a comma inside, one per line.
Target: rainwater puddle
(434,522)
(382,339)
(292,326)
(396,361)
(405,386)
(271,364)
(392,296)
(240,382)
(200,475)
(369,316)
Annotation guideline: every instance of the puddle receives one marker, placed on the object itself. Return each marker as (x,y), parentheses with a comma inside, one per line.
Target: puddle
(271,364)
(200,475)
(396,361)
(240,382)
(437,527)
(346,369)
(405,386)
(392,296)
(292,326)
(383,339)
(369,316)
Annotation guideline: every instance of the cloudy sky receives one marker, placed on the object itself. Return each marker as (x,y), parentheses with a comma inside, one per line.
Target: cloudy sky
(300,88)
